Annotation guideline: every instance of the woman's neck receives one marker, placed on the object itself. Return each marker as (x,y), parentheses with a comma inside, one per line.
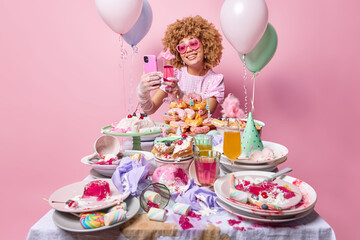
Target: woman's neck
(196,70)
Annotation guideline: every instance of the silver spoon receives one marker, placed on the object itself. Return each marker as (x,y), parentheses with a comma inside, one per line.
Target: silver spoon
(276,175)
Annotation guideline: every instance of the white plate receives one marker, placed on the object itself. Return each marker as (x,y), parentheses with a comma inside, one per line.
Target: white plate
(108,170)
(308,193)
(76,189)
(257,218)
(69,222)
(245,167)
(279,150)
(225,191)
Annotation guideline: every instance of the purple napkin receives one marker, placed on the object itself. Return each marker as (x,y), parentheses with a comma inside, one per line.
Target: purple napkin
(217,139)
(131,171)
(194,194)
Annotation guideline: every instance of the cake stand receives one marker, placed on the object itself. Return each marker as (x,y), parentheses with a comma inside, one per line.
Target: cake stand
(136,136)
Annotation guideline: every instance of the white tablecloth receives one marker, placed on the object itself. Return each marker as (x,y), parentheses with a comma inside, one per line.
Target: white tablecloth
(310,227)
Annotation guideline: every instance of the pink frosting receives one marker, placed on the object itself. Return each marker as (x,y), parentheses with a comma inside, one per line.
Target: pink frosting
(166,55)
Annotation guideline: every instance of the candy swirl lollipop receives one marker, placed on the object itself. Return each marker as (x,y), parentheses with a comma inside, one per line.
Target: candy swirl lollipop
(92,220)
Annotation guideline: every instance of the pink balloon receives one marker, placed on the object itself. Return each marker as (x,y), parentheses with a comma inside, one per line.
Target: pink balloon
(243,23)
(119,15)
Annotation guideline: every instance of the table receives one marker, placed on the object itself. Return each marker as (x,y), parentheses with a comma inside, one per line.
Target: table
(216,226)
(212,227)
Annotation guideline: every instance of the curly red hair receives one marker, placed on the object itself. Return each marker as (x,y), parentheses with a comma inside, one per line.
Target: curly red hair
(199,28)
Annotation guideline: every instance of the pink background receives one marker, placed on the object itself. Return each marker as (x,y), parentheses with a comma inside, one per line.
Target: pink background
(61,82)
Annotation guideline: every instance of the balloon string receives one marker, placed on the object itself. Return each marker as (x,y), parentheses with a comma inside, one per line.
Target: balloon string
(245,88)
(134,51)
(253,94)
(123,52)
(123,55)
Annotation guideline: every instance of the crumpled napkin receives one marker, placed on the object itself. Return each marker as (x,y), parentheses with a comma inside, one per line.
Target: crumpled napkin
(131,171)
(217,139)
(196,196)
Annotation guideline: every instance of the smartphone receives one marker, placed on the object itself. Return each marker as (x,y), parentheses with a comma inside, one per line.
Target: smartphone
(150,64)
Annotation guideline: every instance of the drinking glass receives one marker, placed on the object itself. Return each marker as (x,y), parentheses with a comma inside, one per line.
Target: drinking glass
(158,188)
(207,166)
(232,141)
(203,142)
(168,72)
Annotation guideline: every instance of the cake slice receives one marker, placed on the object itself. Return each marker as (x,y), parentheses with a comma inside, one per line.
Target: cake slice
(183,148)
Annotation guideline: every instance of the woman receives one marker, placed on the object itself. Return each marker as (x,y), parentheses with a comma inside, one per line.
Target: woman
(196,45)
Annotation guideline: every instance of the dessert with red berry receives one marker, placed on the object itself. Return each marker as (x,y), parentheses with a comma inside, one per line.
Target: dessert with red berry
(134,123)
(269,195)
(174,147)
(173,177)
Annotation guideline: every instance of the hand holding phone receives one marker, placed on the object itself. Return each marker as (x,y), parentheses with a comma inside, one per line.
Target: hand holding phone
(150,64)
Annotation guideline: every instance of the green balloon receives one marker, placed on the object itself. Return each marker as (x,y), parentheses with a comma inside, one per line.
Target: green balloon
(263,51)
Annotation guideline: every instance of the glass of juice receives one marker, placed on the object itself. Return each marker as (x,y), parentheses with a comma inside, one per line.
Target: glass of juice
(203,142)
(232,141)
(207,166)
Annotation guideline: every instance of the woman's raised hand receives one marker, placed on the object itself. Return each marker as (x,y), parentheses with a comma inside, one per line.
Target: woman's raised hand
(172,87)
(149,82)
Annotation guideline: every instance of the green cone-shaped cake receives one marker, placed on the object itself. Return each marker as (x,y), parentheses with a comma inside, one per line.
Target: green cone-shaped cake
(250,140)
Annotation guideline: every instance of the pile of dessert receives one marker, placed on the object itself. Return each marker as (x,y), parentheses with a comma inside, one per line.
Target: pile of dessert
(190,114)
(135,123)
(265,195)
(222,122)
(174,147)
(97,191)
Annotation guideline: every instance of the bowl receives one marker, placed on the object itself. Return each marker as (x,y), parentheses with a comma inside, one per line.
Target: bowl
(108,170)
(105,170)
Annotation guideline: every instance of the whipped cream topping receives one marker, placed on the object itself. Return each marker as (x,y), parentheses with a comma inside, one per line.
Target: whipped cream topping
(265,154)
(174,185)
(92,202)
(185,144)
(134,124)
(108,159)
(265,193)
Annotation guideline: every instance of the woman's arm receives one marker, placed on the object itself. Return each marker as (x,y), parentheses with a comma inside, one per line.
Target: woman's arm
(212,104)
(157,99)
(172,89)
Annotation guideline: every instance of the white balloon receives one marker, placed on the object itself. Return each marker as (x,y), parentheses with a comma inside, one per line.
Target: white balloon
(243,23)
(119,15)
